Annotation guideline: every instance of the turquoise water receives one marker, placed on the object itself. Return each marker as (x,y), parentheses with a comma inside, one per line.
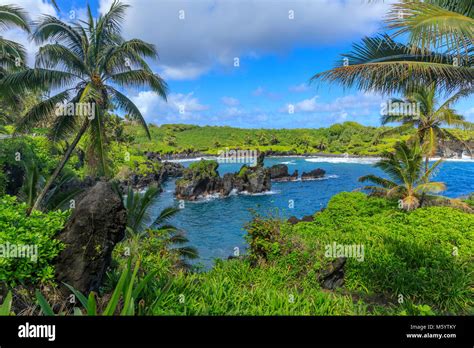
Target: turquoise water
(215,226)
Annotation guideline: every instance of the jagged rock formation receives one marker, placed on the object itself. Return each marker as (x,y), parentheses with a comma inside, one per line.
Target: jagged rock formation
(454,149)
(96,225)
(313,174)
(279,173)
(202,179)
(159,172)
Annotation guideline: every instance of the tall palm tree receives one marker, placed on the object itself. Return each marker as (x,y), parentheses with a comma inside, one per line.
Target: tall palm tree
(439,49)
(428,119)
(85,62)
(407,181)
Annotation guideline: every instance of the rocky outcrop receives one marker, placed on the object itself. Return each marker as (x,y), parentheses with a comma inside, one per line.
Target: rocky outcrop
(454,149)
(293,220)
(333,276)
(96,225)
(279,173)
(314,174)
(202,179)
(158,173)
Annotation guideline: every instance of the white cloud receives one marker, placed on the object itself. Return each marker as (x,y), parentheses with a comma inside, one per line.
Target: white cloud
(180,107)
(216,31)
(229,101)
(33,9)
(303,87)
(187,72)
(363,103)
(232,112)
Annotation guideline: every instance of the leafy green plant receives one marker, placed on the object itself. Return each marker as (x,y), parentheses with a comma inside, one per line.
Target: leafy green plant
(409,182)
(264,237)
(6,306)
(34,235)
(123,301)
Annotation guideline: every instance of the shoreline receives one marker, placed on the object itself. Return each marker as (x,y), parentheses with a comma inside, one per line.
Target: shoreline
(337,158)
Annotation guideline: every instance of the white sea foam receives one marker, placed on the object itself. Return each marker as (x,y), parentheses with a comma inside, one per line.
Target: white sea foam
(355,160)
(196,159)
(245,193)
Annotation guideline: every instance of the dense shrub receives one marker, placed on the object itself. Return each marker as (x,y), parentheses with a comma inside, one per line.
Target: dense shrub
(37,232)
(424,255)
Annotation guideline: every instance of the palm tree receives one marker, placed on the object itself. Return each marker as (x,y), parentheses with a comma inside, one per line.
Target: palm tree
(428,119)
(439,50)
(85,63)
(407,181)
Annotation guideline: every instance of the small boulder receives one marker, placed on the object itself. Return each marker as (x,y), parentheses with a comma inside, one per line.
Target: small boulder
(314,174)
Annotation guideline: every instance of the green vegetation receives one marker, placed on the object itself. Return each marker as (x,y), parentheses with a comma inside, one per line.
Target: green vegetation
(410,182)
(423,255)
(429,118)
(415,258)
(348,137)
(95,52)
(35,232)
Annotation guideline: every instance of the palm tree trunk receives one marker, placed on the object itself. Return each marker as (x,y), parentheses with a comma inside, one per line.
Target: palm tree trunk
(60,167)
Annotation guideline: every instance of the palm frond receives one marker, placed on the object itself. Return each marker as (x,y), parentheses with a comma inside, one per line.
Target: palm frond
(122,102)
(430,25)
(11,15)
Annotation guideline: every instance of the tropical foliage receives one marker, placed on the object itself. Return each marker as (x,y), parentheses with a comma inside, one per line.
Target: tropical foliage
(27,244)
(429,119)
(438,50)
(408,181)
(86,63)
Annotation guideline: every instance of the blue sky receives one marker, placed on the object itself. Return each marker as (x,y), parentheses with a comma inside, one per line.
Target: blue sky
(280,44)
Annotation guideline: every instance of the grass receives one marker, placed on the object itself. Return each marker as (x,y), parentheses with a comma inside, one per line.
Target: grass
(408,254)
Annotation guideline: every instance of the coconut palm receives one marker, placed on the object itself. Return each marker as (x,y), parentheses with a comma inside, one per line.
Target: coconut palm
(430,115)
(85,62)
(439,50)
(407,181)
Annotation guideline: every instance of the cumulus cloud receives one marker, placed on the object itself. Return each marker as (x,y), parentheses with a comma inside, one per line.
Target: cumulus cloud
(180,107)
(196,35)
